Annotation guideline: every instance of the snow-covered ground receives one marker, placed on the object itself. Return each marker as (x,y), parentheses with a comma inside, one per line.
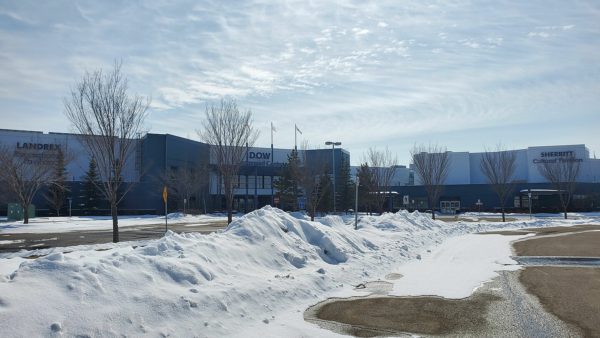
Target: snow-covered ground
(253,279)
(65,224)
(526,215)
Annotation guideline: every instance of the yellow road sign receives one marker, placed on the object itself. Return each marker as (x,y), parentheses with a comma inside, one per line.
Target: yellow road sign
(165,194)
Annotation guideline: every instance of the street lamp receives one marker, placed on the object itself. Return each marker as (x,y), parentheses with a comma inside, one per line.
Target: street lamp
(529,202)
(333,144)
(356,203)
(70,200)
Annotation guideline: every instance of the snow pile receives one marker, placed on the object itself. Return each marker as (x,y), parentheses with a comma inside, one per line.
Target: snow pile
(254,278)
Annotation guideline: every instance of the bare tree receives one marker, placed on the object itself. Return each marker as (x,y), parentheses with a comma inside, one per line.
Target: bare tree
(562,173)
(110,122)
(383,168)
(186,182)
(309,179)
(25,172)
(57,186)
(499,168)
(431,164)
(366,188)
(229,132)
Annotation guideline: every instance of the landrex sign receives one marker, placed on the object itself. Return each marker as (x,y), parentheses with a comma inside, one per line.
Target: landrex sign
(38,146)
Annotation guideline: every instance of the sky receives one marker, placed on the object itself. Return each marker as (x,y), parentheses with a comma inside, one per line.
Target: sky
(466,75)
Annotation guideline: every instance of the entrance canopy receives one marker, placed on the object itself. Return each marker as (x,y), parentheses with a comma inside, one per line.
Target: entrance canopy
(541,192)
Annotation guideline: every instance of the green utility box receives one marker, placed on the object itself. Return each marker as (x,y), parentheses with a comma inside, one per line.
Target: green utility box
(15,212)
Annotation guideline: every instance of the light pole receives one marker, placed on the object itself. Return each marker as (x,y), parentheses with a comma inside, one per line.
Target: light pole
(529,197)
(70,200)
(333,144)
(356,204)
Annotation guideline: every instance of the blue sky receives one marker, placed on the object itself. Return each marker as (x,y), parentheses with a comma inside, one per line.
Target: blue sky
(463,74)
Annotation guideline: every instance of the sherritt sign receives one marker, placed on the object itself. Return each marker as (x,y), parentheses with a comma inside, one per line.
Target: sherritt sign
(557,156)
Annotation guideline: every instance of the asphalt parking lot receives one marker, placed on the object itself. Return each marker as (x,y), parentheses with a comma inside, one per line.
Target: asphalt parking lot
(11,242)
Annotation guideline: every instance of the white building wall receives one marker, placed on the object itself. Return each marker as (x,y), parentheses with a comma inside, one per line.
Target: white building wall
(465,167)
(460,168)
(477,176)
(537,154)
(521,169)
(401,176)
(71,145)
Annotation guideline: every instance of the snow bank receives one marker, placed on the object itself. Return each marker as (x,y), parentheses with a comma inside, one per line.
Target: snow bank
(254,278)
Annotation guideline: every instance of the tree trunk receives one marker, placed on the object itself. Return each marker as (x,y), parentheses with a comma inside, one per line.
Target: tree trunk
(503,217)
(115,221)
(25,214)
(565,213)
(229,203)
(433,213)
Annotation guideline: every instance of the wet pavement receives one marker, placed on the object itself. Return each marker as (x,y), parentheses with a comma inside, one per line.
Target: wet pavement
(557,261)
(556,294)
(28,241)
(500,308)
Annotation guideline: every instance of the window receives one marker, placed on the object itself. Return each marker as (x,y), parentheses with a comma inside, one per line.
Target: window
(241,184)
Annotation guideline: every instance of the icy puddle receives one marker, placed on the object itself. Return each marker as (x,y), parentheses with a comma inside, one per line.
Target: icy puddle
(368,317)
(432,295)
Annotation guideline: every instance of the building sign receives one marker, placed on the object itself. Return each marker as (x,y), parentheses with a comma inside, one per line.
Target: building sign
(557,156)
(259,155)
(38,146)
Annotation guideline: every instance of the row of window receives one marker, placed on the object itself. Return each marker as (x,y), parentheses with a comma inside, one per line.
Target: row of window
(252,182)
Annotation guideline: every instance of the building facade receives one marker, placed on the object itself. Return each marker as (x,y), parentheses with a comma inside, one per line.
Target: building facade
(156,156)
(467,188)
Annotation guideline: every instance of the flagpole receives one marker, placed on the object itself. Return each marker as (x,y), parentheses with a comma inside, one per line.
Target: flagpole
(272,152)
(272,162)
(271,134)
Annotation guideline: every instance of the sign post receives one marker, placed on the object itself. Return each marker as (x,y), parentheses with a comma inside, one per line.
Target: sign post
(479,204)
(164,196)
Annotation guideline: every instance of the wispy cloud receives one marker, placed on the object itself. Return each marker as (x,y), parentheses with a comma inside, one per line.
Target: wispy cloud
(386,72)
